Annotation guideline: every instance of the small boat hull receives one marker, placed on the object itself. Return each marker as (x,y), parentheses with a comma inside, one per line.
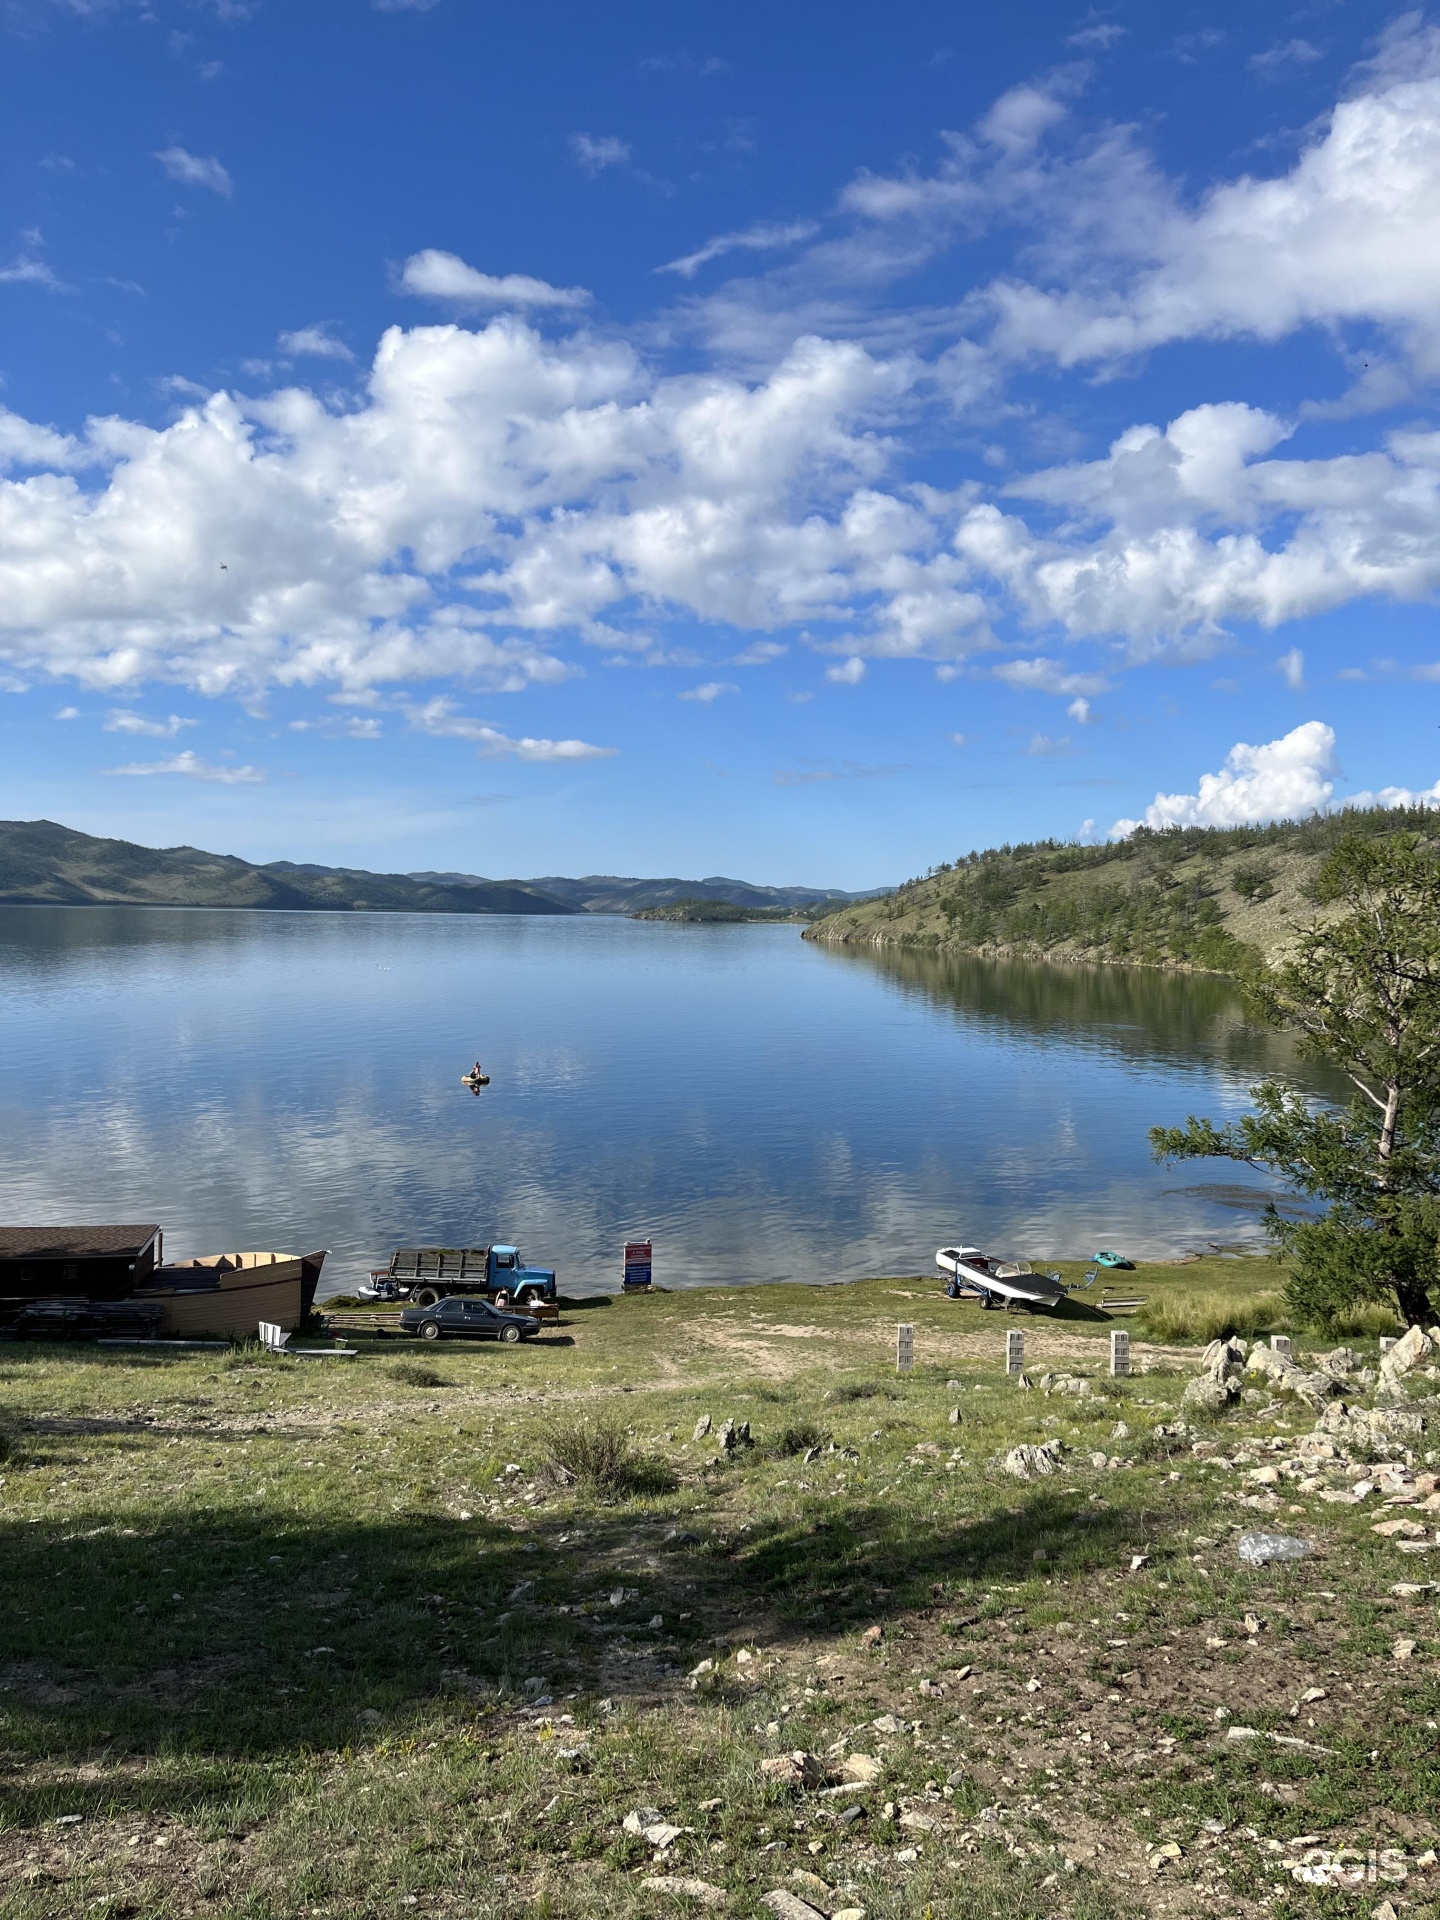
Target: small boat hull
(473,1080)
(226,1296)
(1010,1281)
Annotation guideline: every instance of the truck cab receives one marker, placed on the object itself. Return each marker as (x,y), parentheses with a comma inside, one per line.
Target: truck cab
(425,1275)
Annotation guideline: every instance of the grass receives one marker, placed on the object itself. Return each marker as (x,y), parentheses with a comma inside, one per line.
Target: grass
(1213,1316)
(413,1373)
(800,1437)
(293,1640)
(600,1457)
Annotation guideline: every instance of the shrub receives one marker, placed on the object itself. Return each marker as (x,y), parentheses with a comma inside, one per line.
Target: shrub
(600,1457)
(799,1437)
(862,1390)
(1253,879)
(1203,1317)
(410,1373)
(1363,1321)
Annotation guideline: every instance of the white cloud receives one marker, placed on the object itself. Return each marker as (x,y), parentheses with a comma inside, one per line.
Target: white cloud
(1080,711)
(318,342)
(1396,797)
(1165,539)
(1284,54)
(768,236)
(22,444)
(712,690)
(848,674)
(26,270)
(192,767)
(1291,668)
(760,653)
(439,717)
(120,720)
(1283,780)
(435,275)
(195,170)
(1048,676)
(596,153)
(68,713)
(1041,747)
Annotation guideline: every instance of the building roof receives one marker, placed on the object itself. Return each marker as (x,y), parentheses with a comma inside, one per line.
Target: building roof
(74,1243)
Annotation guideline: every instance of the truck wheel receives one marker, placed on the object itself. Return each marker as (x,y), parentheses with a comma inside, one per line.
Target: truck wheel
(526,1299)
(429,1329)
(428,1297)
(510,1335)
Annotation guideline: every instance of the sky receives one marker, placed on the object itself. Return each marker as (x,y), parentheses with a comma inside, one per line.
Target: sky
(804,442)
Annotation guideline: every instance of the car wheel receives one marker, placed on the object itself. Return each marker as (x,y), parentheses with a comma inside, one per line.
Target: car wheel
(429,1329)
(510,1335)
(428,1297)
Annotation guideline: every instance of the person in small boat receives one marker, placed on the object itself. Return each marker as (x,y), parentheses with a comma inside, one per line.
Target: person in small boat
(477,1072)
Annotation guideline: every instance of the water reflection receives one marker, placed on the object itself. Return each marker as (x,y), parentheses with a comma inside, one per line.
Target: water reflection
(761,1108)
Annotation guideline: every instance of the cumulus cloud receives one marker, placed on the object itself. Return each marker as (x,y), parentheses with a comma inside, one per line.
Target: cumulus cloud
(595,153)
(122,720)
(439,717)
(767,237)
(435,275)
(195,170)
(1396,797)
(1048,676)
(316,342)
(848,674)
(1291,668)
(1284,780)
(712,690)
(191,767)
(1166,536)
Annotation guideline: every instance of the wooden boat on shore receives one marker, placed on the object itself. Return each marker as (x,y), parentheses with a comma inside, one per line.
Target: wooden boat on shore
(225,1296)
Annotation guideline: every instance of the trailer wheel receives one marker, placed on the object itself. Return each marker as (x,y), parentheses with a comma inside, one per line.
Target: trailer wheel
(429,1329)
(510,1335)
(428,1297)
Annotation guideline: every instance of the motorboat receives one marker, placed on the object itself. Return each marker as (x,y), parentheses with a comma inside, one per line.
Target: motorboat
(997,1282)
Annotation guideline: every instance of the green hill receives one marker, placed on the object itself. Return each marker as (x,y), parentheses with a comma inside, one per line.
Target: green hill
(1184,897)
(45,864)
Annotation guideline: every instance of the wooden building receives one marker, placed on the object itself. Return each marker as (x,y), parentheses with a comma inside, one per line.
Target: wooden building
(76,1263)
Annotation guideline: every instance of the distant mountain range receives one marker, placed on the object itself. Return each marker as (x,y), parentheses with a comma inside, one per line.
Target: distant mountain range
(42,864)
(609,893)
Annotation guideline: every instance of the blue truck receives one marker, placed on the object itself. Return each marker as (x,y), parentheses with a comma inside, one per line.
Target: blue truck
(425,1275)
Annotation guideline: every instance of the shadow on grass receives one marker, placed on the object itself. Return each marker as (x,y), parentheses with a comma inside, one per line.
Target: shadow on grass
(241,1638)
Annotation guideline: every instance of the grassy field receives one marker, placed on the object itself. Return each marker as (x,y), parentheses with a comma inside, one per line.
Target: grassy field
(285,1638)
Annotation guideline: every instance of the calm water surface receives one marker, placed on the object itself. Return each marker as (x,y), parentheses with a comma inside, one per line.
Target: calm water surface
(762,1108)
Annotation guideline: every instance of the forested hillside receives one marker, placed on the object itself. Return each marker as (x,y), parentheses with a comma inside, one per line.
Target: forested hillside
(45,864)
(1188,896)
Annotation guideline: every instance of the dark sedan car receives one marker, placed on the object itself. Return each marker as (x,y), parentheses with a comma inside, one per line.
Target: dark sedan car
(458,1317)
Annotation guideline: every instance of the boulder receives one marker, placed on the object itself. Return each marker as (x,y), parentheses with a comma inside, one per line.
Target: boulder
(788,1906)
(860,1769)
(797,1769)
(1027,1462)
(1409,1352)
(687,1887)
(1210,1393)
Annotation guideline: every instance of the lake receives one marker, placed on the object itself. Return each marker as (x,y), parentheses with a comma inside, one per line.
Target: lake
(762,1108)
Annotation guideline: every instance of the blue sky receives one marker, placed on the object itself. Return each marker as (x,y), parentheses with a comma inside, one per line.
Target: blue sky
(803,442)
